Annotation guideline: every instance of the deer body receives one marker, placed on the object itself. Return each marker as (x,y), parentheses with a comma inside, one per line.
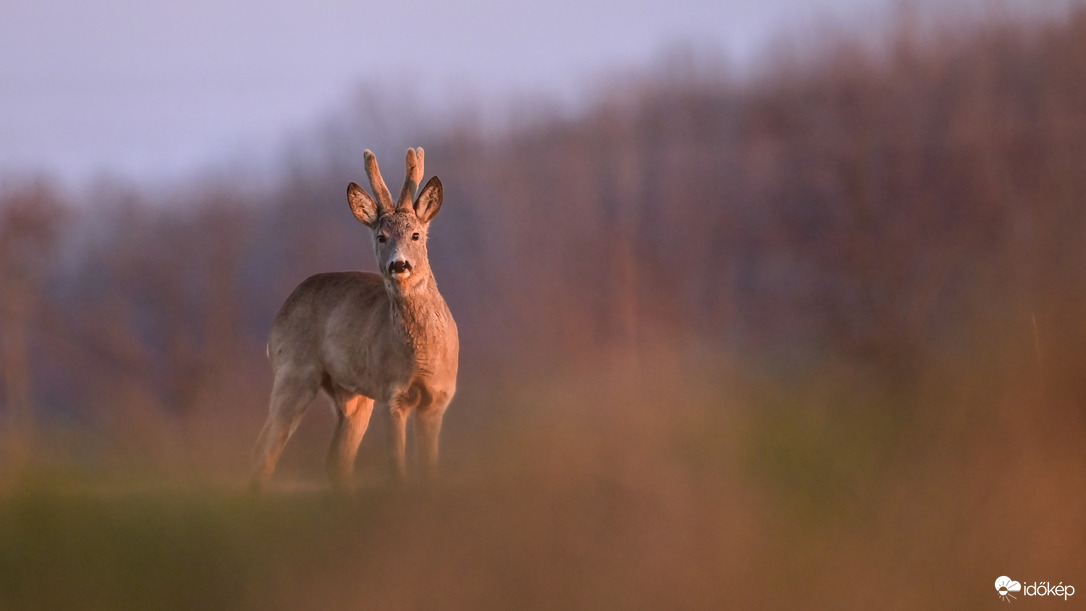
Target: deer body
(364,338)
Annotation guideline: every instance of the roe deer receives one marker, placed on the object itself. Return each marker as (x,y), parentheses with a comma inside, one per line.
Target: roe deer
(368,338)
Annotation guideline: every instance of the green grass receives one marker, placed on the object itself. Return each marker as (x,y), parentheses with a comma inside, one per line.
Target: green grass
(161,550)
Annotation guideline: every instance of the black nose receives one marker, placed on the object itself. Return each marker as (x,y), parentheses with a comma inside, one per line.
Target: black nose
(399,267)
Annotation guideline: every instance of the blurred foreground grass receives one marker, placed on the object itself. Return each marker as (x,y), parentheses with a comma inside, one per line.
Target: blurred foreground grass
(694,487)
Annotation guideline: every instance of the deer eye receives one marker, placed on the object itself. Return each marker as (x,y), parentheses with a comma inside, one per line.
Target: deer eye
(382,239)
(415,236)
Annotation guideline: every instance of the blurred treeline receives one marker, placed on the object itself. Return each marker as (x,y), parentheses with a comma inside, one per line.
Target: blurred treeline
(902,210)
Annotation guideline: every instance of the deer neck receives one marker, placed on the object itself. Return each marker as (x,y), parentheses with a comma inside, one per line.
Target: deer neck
(419,314)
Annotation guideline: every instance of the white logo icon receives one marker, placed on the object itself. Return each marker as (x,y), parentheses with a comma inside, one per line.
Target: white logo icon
(1004,586)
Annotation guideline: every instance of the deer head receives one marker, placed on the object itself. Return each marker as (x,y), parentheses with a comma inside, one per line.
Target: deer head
(400,229)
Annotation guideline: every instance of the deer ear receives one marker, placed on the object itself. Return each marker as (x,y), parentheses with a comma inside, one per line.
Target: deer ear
(429,201)
(362,205)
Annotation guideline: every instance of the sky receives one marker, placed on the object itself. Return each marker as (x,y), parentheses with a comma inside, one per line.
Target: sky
(143,90)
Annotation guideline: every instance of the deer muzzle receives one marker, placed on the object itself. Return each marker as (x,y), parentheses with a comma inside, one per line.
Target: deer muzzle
(399,269)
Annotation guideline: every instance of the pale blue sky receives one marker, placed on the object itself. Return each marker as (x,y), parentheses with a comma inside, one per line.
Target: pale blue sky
(154,90)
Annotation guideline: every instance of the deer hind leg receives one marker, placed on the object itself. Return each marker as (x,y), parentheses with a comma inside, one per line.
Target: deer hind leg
(291,395)
(352,420)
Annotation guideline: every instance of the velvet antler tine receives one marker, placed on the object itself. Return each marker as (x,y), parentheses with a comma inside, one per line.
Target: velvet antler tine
(377,184)
(412,179)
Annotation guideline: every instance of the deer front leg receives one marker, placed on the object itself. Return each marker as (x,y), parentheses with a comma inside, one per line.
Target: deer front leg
(427,433)
(398,412)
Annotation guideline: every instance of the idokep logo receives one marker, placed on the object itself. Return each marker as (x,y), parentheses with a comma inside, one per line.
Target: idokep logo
(1006,587)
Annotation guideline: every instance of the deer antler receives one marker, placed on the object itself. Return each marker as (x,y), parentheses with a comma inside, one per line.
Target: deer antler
(377,184)
(413,178)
